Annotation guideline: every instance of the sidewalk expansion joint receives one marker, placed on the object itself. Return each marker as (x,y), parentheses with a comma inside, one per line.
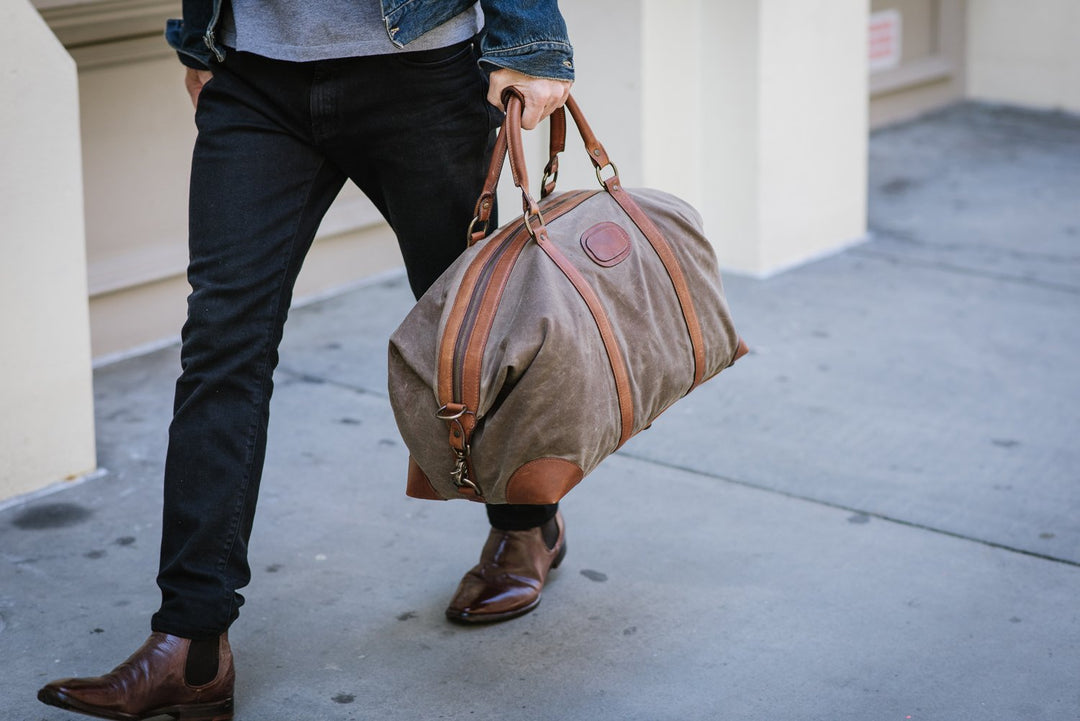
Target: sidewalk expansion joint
(851,509)
(961,270)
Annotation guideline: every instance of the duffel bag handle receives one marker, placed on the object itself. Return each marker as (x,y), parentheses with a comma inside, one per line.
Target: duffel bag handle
(509,144)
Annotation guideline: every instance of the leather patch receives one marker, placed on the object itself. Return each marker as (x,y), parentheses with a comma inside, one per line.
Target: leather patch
(606,243)
(418,485)
(543,481)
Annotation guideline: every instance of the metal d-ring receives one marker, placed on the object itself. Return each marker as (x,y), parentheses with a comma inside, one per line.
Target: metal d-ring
(444,415)
(472,227)
(526,215)
(614,173)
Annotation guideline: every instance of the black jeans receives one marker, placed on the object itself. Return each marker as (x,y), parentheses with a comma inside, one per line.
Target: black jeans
(276,143)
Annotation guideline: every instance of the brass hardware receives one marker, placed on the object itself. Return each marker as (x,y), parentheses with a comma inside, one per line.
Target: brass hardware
(472,227)
(444,415)
(526,215)
(554,178)
(614,173)
(460,475)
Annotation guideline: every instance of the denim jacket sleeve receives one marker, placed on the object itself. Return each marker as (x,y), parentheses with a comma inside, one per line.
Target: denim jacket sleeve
(188,36)
(528,36)
(524,35)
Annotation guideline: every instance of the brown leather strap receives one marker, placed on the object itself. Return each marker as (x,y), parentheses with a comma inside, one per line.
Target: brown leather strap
(467,288)
(607,333)
(456,317)
(509,139)
(486,202)
(556,144)
(476,316)
(674,271)
(557,127)
(515,105)
(593,147)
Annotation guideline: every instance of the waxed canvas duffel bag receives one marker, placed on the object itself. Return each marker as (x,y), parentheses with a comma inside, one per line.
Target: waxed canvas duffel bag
(551,342)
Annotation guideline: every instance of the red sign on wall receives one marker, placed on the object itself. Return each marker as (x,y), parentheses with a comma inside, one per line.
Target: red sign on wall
(885,40)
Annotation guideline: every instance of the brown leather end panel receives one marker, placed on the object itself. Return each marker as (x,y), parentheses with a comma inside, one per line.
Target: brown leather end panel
(545,480)
(742,350)
(606,243)
(418,485)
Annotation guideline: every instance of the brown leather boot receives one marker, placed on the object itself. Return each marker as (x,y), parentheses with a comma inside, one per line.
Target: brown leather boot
(151,683)
(510,576)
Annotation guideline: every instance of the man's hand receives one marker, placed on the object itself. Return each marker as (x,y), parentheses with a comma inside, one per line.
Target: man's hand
(541,95)
(194,81)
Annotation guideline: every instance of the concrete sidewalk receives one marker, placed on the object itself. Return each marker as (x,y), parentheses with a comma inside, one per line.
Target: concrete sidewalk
(872,517)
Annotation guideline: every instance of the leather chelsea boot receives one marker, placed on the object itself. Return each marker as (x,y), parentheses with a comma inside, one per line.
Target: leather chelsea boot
(510,576)
(153,682)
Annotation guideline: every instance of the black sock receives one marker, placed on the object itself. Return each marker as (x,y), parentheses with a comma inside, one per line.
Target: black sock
(520,517)
(202,662)
(550,532)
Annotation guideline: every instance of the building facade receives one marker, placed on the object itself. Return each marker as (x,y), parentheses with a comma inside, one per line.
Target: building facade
(757,111)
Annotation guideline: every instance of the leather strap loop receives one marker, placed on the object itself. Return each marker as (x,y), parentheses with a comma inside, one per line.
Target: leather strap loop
(509,144)
(593,147)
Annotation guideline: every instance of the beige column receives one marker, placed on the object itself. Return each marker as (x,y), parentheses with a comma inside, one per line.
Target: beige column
(1025,53)
(46,400)
(755,111)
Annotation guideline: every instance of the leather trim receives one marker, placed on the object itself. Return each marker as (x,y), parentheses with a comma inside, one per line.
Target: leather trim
(457,314)
(417,484)
(674,271)
(486,202)
(607,334)
(557,126)
(515,105)
(542,481)
(740,351)
(556,144)
(509,242)
(595,149)
(484,318)
(606,244)
(465,290)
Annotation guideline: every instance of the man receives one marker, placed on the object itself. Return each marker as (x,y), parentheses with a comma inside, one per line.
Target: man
(292,99)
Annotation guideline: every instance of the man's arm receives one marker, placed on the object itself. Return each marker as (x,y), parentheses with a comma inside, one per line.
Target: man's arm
(525,45)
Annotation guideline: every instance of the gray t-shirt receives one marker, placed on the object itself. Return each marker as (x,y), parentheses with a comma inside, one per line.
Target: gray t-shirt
(302,30)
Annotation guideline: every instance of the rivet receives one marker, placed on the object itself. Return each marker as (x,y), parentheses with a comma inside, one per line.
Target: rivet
(596,151)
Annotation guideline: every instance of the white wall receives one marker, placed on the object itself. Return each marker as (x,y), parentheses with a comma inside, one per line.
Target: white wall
(1027,53)
(756,113)
(46,423)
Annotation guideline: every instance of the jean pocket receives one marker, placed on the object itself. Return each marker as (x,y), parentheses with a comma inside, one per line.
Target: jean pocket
(437,57)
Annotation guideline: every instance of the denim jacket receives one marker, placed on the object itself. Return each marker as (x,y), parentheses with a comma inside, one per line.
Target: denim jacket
(528,36)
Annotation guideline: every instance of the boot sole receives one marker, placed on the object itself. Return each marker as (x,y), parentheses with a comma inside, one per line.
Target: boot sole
(215,711)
